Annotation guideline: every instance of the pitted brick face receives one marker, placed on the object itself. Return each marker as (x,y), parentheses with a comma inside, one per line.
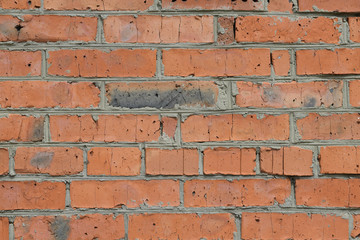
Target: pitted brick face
(179,119)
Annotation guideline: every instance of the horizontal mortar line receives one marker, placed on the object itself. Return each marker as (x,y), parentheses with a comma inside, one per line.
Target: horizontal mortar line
(176,12)
(241,144)
(177,210)
(259,79)
(106,46)
(70,178)
(168,145)
(186,112)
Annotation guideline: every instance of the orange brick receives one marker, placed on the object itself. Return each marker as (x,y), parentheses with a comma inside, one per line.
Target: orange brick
(169,126)
(47,28)
(4,162)
(132,194)
(286,29)
(108,128)
(100,5)
(20,4)
(213,5)
(340,160)
(291,161)
(237,193)
(90,226)
(290,95)
(281,62)
(293,226)
(32,195)
(21,128)
(328,192)
(355,233)
(234,127)
(97,63)
(41,94)
(49,160)
(226,33)
(114,161)
(329,6)
(338,61)
(162,95)
(354,88)
(216,62)
(159,29)
(4,228)
(232,161)
(335,126)
(172,161)
(20,63)
(280,6)
(354,24)
(182,226)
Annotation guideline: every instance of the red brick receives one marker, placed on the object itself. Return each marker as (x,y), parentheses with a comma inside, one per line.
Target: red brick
(232,161)
(99,5)
(355,233)
(32,195)
(340,160)
(114,161)
(213,5)
(329,6)
(335,126)
(159,29)
(90,226)
(21,128)
(290,95)
(338,61)
(47,28)
(354,24)
(107,128)
(41,94)
(280,6)
(49,160)
(237,193)
(166,95)
(226,33)
(4,162)
(172,161)
(235,127)
(181,226)
(20,63)
(216,62)
(281,62)
(4,228)
(291,161)
(169,126)
(20,4)
(286,29)
(97,63)
(293,226)
(354,88)
(132,194)
(328,192)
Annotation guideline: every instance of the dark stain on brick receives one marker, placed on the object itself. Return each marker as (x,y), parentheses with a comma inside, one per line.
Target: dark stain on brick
(38,130)
(42,159)
(311,102)
(161,99)
(60,228)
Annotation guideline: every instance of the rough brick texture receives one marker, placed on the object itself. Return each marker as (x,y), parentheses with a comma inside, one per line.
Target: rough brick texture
(179,119)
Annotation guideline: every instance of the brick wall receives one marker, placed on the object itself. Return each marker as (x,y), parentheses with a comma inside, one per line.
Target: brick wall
(179,119)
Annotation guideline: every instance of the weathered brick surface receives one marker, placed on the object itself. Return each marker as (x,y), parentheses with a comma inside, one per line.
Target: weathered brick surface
(90,226)
(179,119)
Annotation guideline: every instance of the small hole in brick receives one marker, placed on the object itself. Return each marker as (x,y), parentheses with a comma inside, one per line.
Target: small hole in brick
(244,0)
(29,2)
(255,0)
(173,0)
(29,65)
(184,0)
(18,27)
